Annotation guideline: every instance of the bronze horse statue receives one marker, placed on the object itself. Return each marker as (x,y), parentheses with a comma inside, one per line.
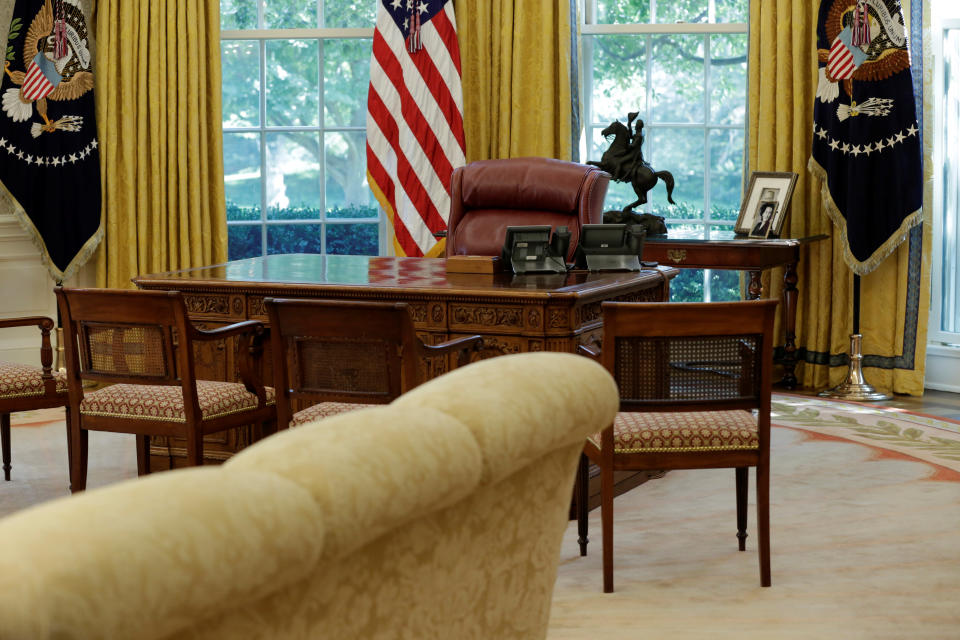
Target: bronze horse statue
(623,160)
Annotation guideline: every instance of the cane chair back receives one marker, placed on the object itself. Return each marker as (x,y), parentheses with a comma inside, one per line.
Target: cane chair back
(27,387)
(331,356)
(695,385)
(141,345)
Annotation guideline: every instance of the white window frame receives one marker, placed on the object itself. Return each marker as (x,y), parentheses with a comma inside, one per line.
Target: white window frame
(262,36)
(589,27)
(934,333)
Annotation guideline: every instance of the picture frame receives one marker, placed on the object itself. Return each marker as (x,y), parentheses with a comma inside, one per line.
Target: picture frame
(766,204)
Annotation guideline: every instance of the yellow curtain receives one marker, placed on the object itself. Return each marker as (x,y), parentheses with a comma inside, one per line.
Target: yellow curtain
(515,63)
(158,109)
(783,81)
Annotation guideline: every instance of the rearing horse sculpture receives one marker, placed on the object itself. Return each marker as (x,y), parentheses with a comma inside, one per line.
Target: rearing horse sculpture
(623,160)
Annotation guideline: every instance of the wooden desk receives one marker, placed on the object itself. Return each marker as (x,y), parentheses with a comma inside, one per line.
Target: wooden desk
(744,254)
(544,312)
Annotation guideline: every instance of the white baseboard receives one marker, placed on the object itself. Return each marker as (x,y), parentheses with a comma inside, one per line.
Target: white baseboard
(943,368)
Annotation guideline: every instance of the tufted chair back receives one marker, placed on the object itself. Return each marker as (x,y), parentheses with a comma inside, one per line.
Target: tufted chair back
(488,196)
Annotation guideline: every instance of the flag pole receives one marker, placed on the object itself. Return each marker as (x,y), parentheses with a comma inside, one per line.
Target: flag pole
(854,387)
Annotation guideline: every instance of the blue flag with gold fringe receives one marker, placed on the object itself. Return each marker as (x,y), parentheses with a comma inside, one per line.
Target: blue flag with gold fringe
(49,156)
(866,143)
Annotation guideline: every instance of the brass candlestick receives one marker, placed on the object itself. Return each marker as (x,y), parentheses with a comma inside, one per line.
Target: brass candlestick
(855,387)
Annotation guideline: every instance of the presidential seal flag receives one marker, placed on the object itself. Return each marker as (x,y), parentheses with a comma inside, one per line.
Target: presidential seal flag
(49,157)
(415,119)
(866,143)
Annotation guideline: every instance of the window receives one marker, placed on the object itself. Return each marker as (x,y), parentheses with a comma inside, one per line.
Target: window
(682,66)
(945,308)
(295,76)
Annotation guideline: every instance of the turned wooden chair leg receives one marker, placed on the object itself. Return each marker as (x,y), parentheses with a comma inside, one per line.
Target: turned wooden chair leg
(195,448)
(78,457)
(763,520)
(606,517)
(583,498)
(5,443)
(743,482)
(143,455)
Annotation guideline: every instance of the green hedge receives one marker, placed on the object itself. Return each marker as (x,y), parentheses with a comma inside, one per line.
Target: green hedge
(349,238)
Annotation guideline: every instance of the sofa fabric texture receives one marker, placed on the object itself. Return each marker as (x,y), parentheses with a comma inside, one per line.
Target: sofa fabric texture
(439,515)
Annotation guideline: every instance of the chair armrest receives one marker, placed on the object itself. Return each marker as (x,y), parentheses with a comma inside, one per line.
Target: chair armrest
(251,335)
(465,346)
(237,328)
(588,351)
(45,325)
(42,322)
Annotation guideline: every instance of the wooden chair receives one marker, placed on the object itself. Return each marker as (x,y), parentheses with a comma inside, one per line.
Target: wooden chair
(25,387)
(690,376)
(342,355)
(142,343)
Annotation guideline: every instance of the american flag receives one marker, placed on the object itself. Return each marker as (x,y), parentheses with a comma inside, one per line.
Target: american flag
(414,118)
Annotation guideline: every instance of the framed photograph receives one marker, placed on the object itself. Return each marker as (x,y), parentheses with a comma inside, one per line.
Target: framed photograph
(766,204)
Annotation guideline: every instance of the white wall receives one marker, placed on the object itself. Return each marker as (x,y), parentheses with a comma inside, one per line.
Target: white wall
(26,289)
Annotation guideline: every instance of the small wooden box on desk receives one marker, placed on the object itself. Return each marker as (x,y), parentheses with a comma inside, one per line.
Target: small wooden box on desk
(474,264)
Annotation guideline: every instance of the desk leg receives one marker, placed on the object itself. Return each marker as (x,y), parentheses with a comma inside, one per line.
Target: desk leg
(754,288)
(790,293)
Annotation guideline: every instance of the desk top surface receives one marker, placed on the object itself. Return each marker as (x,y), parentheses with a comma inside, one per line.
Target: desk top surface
(372,272)
(731,240)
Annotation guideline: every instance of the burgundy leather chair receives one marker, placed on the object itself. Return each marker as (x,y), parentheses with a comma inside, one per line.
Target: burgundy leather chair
(487,196)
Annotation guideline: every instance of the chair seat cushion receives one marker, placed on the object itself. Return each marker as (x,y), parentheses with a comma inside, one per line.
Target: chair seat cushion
(324,410)
(683,431)
(23,381)
(161,402)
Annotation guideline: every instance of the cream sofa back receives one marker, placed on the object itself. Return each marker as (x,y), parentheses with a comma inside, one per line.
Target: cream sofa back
(439,516)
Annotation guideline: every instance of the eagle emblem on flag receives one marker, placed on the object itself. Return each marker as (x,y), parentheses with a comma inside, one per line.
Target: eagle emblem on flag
(49,152)
(56,66)
(866,142)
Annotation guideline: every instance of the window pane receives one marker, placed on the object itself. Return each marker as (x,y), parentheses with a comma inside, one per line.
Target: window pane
(728,79)
(345,172)
(293,86)
(353,239)
(293,172)
(243,241)
(240,61)
(294,238)
(238,14)
(679,151)
(726,172)
(950,229)
(687,11)
(619,76)
(620,12)
(678,78)
(687,286)
(733,10)
(289,14)
(241,169)
(346,77)
(340,14)
(724,285)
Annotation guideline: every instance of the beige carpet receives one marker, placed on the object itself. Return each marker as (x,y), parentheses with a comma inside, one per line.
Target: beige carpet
(865,536)
(865,533)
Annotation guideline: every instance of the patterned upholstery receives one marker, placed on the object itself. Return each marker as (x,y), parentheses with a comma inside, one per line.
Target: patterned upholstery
(161,402)
(23,381)
(324,410)
(683,431)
